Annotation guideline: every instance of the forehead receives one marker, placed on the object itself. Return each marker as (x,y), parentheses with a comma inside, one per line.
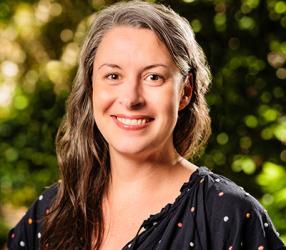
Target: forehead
(125,42)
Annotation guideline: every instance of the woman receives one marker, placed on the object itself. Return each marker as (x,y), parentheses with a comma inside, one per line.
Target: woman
(136,109)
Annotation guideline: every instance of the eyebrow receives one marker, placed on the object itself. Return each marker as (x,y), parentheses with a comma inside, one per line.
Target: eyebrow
(109,65)
(145,68)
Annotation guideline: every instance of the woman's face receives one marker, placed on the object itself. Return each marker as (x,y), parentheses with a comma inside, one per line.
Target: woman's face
(136,92)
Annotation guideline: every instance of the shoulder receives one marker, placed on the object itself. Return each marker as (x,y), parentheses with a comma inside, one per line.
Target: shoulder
(27,233)
(226,201)
(224,194)
(232,216)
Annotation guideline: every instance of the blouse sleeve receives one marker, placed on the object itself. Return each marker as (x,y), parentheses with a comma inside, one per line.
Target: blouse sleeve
(237,220)
(27,233)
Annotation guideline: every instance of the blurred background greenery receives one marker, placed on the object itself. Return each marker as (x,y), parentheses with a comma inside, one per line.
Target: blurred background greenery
(245,44)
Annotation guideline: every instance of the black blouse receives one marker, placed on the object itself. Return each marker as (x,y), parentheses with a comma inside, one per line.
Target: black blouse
(211,212)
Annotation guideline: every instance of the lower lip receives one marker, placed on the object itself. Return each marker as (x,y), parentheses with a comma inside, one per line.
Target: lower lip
(130,127)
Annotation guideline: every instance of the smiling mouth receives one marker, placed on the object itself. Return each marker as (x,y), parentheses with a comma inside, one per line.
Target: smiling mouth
(127,121)
(132,122)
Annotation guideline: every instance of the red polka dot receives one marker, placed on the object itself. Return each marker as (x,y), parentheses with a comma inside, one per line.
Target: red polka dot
(260,248)
(180,224)
(230,248)
(30,221)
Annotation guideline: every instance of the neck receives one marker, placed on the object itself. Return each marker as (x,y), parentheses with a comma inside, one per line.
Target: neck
(155,181)
(130,174)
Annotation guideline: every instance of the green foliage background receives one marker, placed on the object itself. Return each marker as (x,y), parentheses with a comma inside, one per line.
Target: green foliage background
(245,44)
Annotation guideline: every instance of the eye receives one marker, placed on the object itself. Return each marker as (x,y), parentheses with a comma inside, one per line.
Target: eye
(112,76)
(154,79)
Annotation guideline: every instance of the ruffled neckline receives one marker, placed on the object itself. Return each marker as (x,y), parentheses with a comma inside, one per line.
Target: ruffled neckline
(197,174)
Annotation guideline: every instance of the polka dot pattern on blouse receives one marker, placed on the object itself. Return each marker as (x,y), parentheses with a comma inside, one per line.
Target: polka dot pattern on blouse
(211,212)
(27,234)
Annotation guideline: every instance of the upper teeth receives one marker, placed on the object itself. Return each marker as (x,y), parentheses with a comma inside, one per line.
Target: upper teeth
(132,121)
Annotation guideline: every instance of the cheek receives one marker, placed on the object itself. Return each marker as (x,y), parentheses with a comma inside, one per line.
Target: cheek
(168,100)
(101,99)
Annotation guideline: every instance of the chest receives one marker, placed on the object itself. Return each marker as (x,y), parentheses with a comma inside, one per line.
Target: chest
(120,230)
(122,222)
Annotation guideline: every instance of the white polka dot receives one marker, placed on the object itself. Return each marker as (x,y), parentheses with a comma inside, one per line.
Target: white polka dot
(278,234)
(159,242)
(155,223)
(266,224)
(225,218)
(242,188)
(22,243)
(192,244)
(39,235)
(41,197)
(129,245)
(217,180)
(247,194)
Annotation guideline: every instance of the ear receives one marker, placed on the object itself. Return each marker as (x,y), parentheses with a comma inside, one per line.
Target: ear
(187,92)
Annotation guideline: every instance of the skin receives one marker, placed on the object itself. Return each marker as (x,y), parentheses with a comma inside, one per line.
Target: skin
(134,76)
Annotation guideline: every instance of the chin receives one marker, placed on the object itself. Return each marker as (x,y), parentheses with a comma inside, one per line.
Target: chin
(129,151)
(132,149)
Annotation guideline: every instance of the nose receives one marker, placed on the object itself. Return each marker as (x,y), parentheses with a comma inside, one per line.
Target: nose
(131,95)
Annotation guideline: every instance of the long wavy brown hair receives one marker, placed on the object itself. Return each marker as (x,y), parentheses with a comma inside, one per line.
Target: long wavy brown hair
(75,220)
